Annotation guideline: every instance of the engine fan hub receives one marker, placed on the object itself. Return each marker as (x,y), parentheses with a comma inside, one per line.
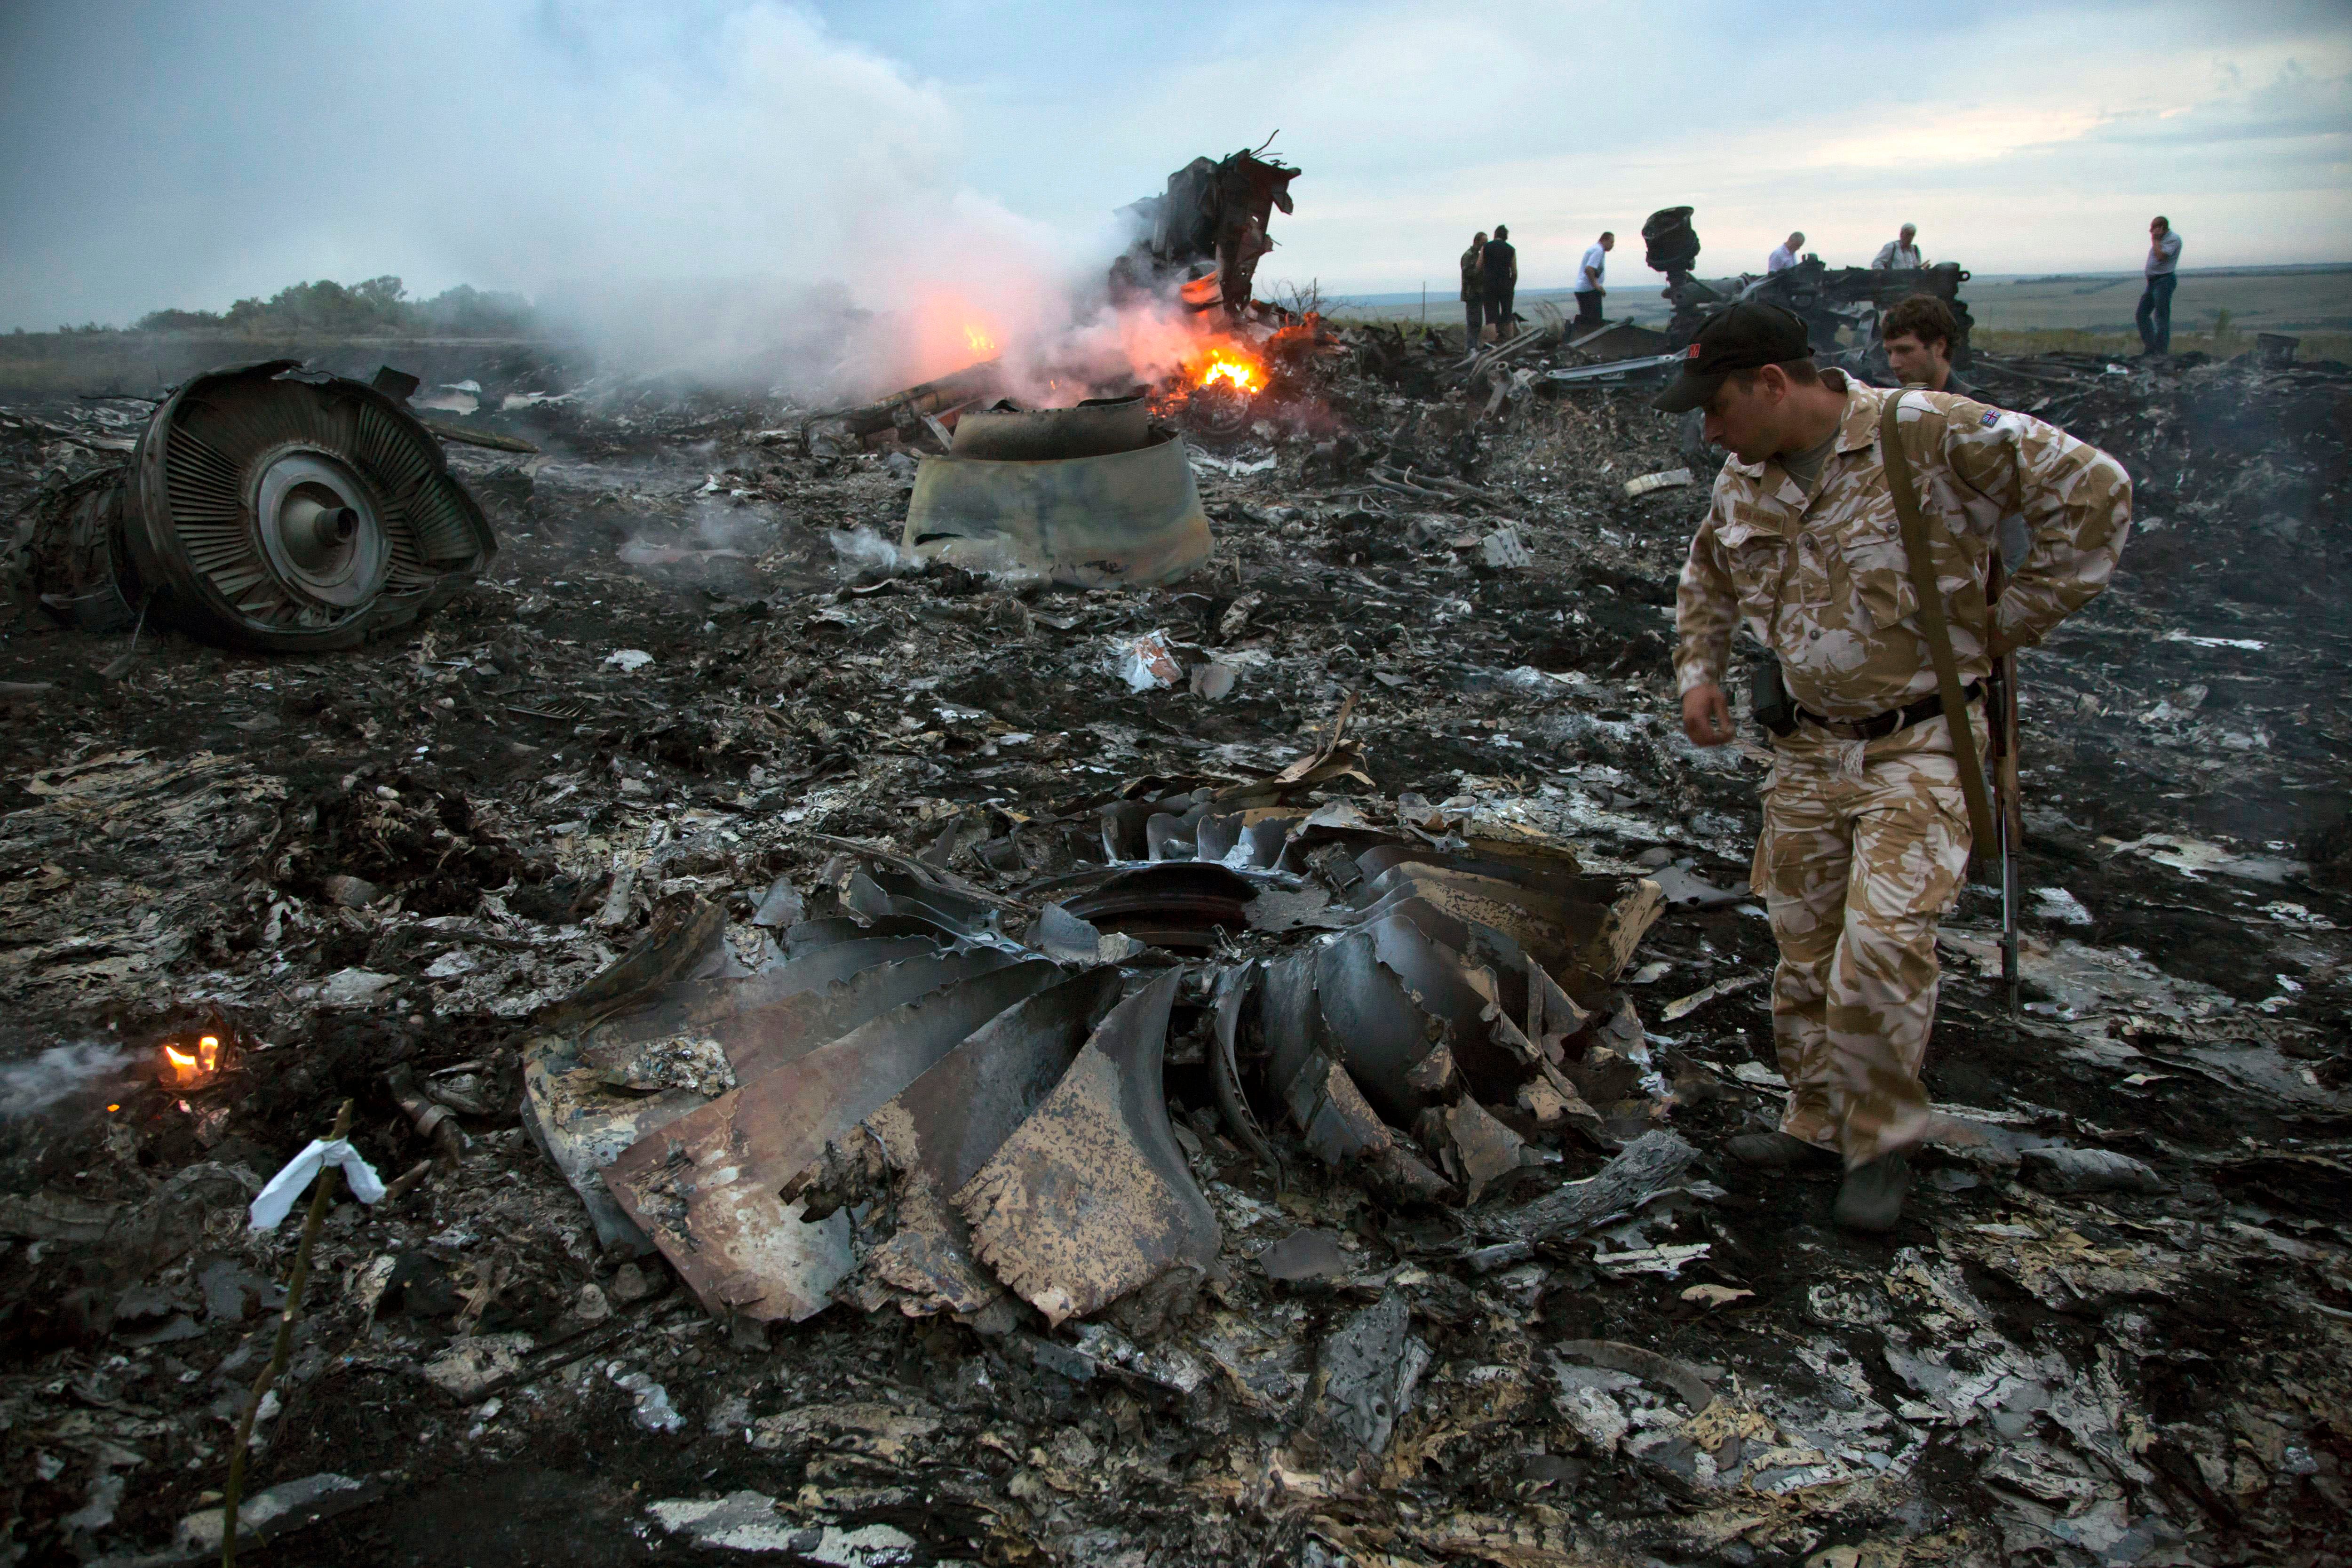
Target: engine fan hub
(319,528)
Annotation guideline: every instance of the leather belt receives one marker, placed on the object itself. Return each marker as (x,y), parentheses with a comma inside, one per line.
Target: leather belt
(1883,724)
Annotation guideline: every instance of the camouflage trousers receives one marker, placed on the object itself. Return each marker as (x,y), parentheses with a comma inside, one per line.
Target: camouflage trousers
(1865,845)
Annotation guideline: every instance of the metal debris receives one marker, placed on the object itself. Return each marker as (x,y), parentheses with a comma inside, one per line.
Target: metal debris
(931,1141)
(1667,479)
(1124,518)
(705,1186)
(1305,1254)
(1365,1376)
(1103,1133)
(1206,231)
(268,508)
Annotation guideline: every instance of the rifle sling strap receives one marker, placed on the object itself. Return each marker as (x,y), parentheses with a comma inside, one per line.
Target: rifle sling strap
(1932,627)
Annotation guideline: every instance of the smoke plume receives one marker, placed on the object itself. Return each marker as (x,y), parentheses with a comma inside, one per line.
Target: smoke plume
(724,190)
(30,1087)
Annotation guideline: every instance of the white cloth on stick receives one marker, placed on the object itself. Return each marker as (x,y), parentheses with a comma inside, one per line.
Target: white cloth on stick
(271,1203)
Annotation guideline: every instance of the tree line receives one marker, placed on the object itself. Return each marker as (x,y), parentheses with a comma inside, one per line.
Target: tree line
(377,307)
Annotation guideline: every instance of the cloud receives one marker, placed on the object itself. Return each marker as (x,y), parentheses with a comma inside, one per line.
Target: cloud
(2294,106)
(962,156)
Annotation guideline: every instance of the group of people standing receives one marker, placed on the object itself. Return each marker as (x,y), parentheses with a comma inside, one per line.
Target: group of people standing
(1490,275)
(1490,278)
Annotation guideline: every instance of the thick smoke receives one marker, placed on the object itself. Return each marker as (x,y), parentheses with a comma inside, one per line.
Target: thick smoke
(780,209)
(723,190)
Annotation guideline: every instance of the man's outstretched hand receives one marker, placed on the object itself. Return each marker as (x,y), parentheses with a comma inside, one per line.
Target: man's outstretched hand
(1707,715)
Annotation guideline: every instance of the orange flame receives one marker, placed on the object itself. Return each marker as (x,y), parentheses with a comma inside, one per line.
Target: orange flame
(981,344)
(189,1066)
(1226,366)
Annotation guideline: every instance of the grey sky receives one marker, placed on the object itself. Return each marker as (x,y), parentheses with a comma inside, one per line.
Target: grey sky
(190,153)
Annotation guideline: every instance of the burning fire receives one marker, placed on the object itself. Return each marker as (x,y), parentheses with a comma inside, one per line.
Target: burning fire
(1227,365)
(183,1068)
(981,344)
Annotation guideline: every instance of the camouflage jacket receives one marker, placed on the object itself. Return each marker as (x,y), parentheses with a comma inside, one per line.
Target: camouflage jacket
(1827,586)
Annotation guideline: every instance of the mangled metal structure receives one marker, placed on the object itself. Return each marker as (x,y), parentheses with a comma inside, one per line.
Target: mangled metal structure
(1204,234)
(1092,495)
(1830,299)
(264,507)
(910,1104)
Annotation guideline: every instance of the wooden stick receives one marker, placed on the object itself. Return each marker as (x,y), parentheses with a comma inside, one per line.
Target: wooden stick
(320,1195)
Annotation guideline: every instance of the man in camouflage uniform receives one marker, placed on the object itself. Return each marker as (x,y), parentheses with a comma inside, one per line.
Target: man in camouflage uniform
(1865,839)
(1473,294)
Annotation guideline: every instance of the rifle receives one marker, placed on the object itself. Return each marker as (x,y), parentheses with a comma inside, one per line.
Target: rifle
(2009,810)
(1987,833)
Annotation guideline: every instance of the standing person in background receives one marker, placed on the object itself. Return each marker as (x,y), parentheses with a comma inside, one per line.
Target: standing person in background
(1591,276)
(2156,301)
(1499,269)
(1785,257)
(1473,294)
(1899,253)
(1920,333)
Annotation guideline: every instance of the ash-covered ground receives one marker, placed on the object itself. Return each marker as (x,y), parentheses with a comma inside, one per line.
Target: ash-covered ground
(698,665)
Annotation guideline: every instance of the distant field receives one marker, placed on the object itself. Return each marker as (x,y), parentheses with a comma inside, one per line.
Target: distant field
(1629,303)
(2311,299)
(2025,313)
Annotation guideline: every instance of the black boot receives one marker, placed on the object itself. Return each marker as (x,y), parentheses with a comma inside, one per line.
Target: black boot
(1777,1150)
(1871,1196)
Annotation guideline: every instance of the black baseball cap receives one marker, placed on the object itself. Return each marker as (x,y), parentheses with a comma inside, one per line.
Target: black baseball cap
(1744,337)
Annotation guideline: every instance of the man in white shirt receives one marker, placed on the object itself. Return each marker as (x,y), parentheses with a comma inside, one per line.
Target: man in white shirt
(1590,276)
(2156,301)
(1785,257)
(1899,255)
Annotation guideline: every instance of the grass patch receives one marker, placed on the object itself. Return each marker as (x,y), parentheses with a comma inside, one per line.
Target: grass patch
(2227,342)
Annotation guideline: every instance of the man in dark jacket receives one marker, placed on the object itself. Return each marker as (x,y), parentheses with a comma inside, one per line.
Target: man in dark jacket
(1473,294)
(1501,266)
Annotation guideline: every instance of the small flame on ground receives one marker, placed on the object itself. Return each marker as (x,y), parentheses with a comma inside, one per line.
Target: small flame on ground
(189,1066)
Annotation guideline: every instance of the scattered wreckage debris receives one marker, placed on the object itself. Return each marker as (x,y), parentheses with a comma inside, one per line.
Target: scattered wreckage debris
(924,1109)
(1832,300)
(264,507)
(915,411)
(1661,1356)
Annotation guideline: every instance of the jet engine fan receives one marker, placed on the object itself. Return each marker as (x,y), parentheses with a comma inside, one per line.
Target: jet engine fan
(273,510)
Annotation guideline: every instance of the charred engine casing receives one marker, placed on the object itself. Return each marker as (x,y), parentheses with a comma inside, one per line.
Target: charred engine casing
(1832,299)
(1205,232)
(1093,496)
(1669,243)
(264,509)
